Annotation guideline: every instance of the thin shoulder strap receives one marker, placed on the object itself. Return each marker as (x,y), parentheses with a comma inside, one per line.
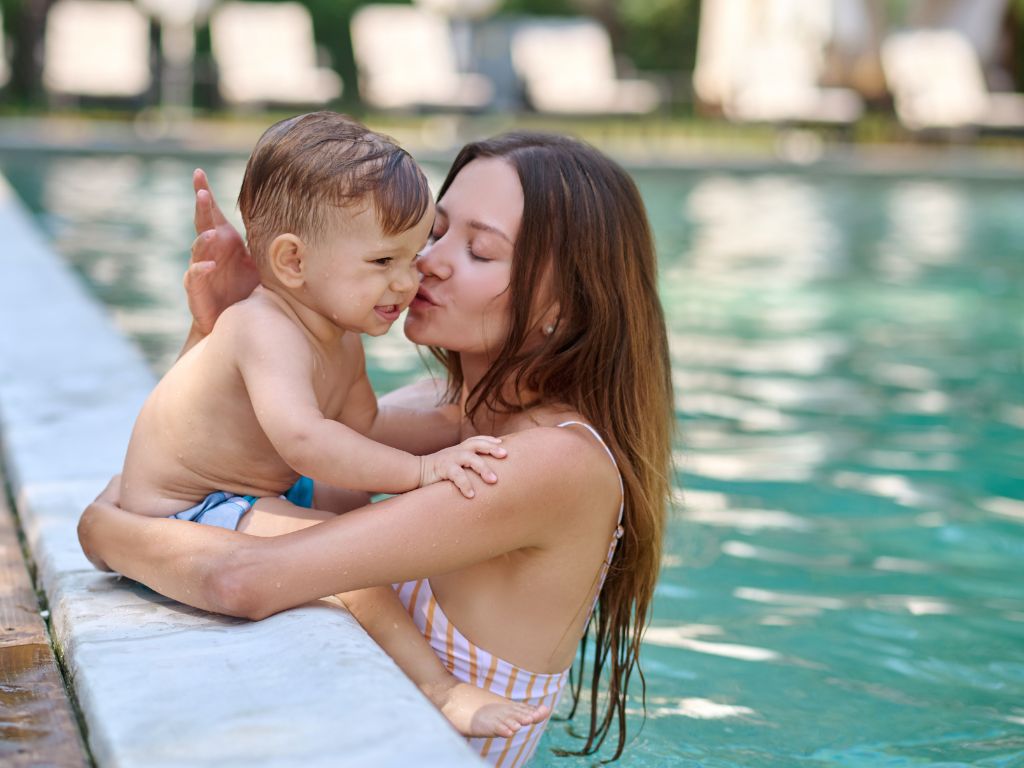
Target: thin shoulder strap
(596,434)
(622,487)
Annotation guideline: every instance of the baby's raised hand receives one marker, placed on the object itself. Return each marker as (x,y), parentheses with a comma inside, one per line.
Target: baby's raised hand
(451,463)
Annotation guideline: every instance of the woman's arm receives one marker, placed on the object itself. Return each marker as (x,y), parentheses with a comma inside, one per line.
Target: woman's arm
(428,531)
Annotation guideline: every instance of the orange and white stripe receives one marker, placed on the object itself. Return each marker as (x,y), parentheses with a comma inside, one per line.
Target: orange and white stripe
(472,664)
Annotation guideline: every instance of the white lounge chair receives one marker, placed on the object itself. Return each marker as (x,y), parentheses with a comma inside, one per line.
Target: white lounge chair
(763,60)
(567,66)
(406,60)
(266,54)
(96,48)
(936,82)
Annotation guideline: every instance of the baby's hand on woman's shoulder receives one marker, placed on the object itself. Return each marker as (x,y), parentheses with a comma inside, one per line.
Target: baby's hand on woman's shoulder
(451,463)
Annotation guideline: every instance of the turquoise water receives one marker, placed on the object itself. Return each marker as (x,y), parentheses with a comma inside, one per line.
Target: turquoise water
(843,581)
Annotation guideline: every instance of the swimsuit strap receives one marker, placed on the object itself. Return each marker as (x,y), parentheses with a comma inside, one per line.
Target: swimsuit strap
(622,488)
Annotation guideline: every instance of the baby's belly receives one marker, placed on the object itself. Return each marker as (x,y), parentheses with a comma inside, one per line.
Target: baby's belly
(161,491)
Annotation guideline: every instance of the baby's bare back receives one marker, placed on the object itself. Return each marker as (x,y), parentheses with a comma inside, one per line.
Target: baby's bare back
(198,433)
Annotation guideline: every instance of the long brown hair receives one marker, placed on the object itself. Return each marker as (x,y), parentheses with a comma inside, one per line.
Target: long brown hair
(584,223)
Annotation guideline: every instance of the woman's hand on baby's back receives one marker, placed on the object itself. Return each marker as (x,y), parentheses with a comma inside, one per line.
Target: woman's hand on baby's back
(221,271)
(452,463)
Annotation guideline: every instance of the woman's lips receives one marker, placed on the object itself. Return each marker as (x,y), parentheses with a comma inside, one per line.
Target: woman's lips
(423,299)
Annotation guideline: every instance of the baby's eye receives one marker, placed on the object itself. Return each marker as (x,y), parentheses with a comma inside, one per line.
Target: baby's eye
(384,261)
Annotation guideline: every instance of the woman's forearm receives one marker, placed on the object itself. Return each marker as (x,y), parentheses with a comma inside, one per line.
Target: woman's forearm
(428,531)
(173,557)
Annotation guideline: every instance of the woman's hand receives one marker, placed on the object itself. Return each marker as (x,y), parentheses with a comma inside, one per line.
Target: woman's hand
(221,270)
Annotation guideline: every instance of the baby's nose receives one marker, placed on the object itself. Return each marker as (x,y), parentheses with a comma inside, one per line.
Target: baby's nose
(406,281)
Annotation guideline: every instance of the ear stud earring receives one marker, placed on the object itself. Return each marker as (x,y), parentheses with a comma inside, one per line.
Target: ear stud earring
(548,330)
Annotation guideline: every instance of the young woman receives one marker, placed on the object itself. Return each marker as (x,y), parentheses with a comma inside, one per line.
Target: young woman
(538,295)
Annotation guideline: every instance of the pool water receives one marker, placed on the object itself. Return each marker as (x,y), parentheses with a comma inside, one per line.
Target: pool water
(843,582)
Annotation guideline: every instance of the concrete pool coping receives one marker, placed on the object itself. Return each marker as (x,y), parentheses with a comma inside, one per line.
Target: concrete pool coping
(158,683)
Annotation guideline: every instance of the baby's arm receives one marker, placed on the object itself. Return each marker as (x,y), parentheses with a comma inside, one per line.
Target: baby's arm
(419,429)
(276,363)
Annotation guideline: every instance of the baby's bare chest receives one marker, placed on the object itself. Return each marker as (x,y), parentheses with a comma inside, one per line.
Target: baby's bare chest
(334,372)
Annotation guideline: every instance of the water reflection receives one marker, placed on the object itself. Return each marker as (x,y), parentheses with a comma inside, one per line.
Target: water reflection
(851,448)
(770,229)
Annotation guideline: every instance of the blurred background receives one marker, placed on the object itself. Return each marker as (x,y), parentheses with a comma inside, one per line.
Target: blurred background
(835,191)
(849,70)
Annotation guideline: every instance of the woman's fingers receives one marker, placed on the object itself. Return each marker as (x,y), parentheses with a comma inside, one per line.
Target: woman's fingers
(208,214)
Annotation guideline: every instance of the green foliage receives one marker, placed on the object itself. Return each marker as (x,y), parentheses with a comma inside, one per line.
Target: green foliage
(660,34)
(539,7)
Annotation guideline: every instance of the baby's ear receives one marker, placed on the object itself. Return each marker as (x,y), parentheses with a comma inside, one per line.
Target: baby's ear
(287,256)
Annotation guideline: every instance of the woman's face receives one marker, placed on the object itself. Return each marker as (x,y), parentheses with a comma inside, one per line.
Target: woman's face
(463,301)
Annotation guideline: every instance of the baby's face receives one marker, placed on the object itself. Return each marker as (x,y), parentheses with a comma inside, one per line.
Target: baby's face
(361,279)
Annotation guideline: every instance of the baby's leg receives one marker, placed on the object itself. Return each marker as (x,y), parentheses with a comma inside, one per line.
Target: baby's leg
(338,500)
(471,710)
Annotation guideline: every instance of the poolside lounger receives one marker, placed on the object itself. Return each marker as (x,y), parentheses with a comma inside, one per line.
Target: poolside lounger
(96,48)
(763,61)
(936,82)
(406,60)
(266,54)
(567,66)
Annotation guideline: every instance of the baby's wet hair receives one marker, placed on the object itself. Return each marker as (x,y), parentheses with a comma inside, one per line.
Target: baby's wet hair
(305,166)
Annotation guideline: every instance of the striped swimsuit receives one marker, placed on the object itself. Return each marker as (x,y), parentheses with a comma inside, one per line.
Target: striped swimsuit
(472,664)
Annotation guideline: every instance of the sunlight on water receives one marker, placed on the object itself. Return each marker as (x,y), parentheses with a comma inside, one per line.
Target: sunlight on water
(842,577)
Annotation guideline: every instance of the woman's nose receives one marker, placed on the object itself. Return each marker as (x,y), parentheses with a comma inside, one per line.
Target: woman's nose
(431,262)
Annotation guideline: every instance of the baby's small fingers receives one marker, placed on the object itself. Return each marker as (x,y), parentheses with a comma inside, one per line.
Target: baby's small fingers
(481,467)
(488,446)
(461,480)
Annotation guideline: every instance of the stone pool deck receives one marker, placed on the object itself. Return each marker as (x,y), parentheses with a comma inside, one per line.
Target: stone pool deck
(158,683)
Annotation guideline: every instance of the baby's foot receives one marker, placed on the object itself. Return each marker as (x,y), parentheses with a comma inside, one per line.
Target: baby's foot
(476,712)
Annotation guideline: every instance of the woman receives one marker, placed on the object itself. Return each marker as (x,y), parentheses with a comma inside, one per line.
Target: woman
(538,296)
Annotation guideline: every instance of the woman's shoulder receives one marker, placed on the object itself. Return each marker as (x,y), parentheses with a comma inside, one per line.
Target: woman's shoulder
(566,454)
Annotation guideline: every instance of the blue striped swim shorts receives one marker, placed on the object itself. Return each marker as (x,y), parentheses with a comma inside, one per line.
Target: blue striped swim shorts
(225,510)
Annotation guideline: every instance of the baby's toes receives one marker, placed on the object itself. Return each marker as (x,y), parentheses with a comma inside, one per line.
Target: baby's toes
(524,714)
(512,724)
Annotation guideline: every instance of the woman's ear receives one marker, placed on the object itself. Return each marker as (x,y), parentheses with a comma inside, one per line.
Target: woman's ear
(287,259)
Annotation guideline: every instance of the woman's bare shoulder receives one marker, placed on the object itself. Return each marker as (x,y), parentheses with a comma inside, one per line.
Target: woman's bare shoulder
(561,463)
